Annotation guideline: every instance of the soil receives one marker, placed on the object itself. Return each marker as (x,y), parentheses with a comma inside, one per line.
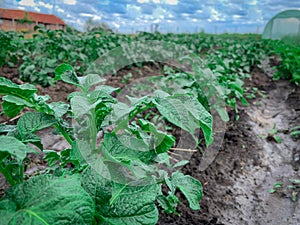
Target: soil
(237,182)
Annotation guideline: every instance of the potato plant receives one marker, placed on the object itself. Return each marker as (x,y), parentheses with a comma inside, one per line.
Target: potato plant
(117,180)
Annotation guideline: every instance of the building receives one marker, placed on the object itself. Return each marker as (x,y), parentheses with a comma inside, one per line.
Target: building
(20,20)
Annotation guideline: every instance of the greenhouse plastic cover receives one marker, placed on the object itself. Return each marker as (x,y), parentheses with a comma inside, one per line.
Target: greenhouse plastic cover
(286,23)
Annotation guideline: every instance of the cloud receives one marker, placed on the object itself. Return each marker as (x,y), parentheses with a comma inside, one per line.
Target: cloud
(70,2)
(46,5)
(171,2)
(143,1)
(133,11)
(167,2)
(92,16)
(159,13)
(30,3)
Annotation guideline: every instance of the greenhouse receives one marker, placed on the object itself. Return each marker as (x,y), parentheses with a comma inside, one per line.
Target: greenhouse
(284,24)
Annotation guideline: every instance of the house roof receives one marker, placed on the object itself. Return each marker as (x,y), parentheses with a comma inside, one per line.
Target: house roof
(33,16)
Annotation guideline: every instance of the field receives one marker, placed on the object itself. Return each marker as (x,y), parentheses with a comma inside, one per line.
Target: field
(105,128)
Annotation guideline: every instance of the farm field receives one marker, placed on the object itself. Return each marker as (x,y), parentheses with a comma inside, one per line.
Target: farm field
(171,122)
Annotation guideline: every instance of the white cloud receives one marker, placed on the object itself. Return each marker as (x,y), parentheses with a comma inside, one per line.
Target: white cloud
(37,9)
(60,10)
(133,11)
(216,15)
(70,2)
(185,14)
(27,3)
(86,15)
(251,2)
(170,15)
(46,5)
(159,13)
(97,17)
(171,2)
(116,25)
(236,17)
(168,2)
(117,15)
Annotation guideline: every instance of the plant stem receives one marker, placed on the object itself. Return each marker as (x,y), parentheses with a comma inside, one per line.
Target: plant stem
(64,133)
(93,130)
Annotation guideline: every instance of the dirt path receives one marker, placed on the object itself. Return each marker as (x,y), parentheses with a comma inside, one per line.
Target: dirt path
(277,160)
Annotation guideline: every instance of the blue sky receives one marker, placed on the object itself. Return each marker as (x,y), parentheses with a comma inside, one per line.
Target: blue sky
(171,15)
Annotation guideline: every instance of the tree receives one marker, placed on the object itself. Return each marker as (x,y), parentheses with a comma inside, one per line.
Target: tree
(92,25)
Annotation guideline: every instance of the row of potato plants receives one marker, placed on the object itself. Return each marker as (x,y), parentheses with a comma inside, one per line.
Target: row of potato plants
(40,55)
(118,180)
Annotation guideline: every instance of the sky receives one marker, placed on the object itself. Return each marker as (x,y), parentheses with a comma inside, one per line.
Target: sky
(129,16)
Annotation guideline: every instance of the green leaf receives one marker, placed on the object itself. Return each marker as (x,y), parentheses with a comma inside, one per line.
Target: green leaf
(47,200)
(278,185)
(272,191)
(89,80)
(161,142)
(31,122)
(130,205)
(106,89)
(66,73)
(51,157)
(8,87)
(190,187)
(14,147)
(59,108)
(295,181)
(223,114)
(174,111)
(12,105)
(11,109)
(181,163)
(123,147)
(277,139)
(295,133)
(80,106)
(187,113)
(134,205)
(192,105)
(168,203)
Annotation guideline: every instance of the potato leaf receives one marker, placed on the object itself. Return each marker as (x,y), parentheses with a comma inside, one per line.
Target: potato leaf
(14,147)
(47,200)
(90,80)
(123,147)
(59,108)
(66,73)
(31,122)
(13,105)
(8,87)
(121,204)
(187,113)
(190,187)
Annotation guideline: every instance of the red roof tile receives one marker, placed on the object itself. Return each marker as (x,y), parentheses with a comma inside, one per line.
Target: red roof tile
(33,16)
